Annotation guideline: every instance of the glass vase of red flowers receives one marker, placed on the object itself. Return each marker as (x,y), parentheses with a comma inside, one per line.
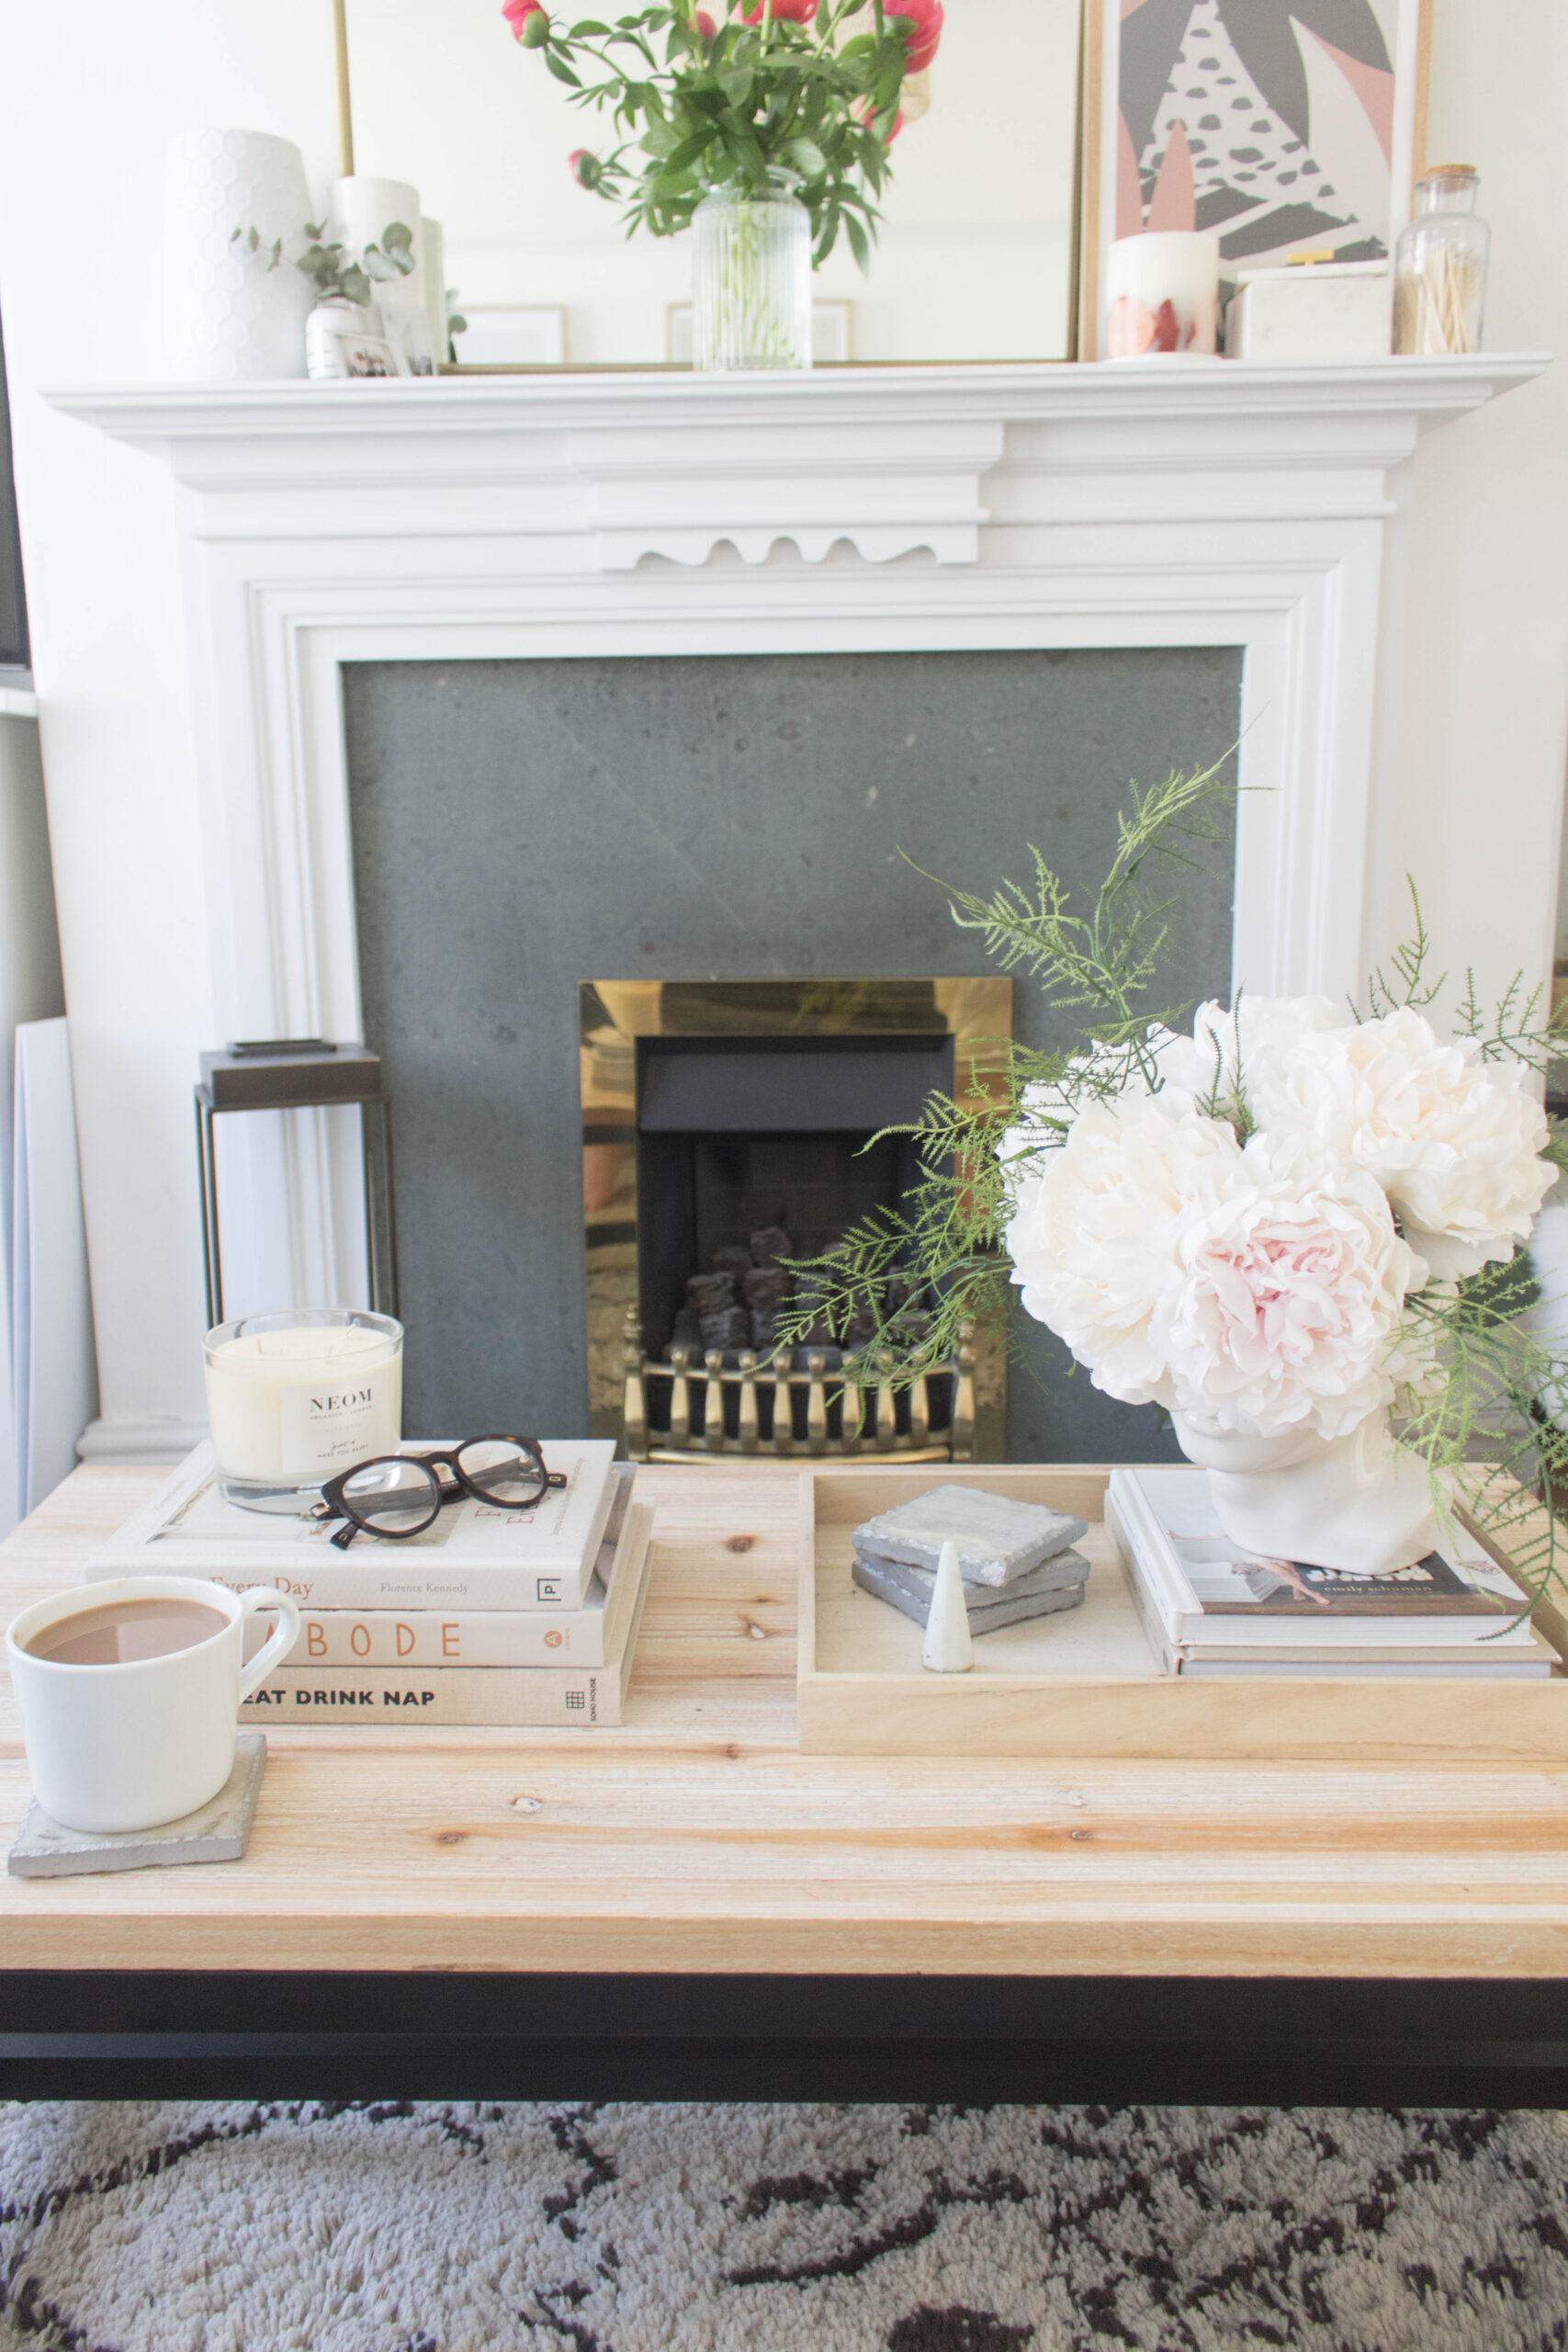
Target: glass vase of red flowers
(768,127)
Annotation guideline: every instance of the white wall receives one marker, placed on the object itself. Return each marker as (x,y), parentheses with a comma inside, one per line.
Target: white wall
(88,101)
(1476,713)
(1473,718)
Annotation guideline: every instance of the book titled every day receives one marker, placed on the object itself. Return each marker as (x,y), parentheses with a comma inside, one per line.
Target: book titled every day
(474,1555)
(420,1637)
(518,1696)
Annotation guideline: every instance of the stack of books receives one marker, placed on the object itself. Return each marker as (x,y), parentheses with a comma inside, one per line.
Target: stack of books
(1210,1608)
(489,1616)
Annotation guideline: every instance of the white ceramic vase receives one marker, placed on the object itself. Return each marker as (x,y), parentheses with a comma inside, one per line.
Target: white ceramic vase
(1348,1502)
(228,318)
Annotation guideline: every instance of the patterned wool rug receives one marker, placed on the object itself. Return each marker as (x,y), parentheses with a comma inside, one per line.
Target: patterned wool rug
(395,2228)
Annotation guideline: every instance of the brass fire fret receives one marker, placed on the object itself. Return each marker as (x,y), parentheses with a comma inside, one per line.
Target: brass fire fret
(976,1012)
(695,1421)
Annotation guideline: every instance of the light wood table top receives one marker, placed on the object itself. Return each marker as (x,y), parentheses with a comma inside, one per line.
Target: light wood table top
(696,1839)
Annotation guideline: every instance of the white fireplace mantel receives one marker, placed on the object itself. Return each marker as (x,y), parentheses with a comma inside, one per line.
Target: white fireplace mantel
(1154,502)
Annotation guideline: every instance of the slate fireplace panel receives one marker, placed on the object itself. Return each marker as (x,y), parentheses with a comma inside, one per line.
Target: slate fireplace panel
(519,826)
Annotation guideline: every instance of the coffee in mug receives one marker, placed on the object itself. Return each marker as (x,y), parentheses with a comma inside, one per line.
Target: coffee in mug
(125,1630)
(129,1695)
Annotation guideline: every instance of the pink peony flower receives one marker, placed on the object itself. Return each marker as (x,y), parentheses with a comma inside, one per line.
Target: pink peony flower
(520,15)
(924,19)
(785,12)
(585,167)
(704,25)
(1290,1283)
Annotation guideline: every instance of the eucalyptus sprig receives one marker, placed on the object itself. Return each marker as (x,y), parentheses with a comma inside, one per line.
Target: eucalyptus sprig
(335,272)
(700,104)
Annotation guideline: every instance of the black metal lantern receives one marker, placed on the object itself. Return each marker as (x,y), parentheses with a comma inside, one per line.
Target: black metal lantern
(301,1074)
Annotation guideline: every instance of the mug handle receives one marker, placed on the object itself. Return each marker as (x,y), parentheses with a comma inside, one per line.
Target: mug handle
(259,1599)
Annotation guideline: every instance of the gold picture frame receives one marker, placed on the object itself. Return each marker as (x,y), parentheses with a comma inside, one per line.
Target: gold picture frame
(1105,26)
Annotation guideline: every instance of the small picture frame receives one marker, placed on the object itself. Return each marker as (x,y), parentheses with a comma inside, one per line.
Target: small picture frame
(364,357)
(511,334)
(407,329)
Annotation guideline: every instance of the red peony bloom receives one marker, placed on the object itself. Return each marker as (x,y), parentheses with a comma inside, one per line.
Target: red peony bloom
(519,15)
(586,168)
(924,20)
(868,115)
(786,12)
(706,27)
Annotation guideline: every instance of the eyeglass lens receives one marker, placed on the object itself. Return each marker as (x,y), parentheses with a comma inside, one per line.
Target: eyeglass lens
(392,1497)
(502,1472)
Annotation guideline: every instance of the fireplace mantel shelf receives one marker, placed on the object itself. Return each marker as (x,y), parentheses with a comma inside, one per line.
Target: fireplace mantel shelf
(667,463)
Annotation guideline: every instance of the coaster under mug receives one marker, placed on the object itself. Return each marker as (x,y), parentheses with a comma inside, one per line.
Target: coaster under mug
(119,1742)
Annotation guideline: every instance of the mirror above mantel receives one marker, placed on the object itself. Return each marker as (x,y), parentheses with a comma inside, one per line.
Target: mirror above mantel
(974,259)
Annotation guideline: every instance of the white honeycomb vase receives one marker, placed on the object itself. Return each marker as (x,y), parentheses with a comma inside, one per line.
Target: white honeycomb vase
(228,319)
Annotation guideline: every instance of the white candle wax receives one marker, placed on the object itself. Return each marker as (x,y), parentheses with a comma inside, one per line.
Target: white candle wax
(305,1401)
(1163,292)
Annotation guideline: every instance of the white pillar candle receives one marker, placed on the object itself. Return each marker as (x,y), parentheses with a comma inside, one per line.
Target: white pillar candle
(291,1400)
(1163,293)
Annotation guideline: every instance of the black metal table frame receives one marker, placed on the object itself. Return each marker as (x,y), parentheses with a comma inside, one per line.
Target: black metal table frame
(971,2041)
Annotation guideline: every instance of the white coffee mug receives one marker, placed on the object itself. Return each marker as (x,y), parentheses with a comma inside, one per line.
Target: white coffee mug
(142,1741)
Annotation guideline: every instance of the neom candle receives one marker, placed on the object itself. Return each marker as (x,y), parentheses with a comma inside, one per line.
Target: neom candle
(1163,293)
(295,1397)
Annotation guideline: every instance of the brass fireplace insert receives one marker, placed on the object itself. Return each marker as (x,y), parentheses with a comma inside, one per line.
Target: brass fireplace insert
(670,1401)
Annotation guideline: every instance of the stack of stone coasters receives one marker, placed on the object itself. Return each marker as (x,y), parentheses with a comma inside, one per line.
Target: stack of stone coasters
(1016,1559)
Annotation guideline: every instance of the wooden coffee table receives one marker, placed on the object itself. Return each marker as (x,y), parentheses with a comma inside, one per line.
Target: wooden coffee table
(687,1907)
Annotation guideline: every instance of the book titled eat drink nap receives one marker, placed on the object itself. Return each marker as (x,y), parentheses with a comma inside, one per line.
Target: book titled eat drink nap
(473,1555)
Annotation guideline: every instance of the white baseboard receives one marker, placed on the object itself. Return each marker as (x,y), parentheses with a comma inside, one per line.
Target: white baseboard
(157,1438)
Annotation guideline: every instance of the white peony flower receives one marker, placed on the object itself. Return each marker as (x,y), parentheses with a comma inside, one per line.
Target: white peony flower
(1453,1140)
(1288,1294)
(1230,1048)
(1106,1073)
(1095,1224)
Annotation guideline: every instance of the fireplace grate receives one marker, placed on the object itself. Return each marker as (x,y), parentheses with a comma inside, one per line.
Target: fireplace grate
(793,1403)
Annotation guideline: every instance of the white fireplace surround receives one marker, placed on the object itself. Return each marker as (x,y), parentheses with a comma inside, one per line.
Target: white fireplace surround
(1150,503)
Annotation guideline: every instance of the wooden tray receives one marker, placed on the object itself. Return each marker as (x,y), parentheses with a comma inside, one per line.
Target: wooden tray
(1085,1683)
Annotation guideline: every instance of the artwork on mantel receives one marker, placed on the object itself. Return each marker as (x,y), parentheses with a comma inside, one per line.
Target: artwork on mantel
(1285,127)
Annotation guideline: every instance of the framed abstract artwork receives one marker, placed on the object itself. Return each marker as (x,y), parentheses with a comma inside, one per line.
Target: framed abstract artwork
(1286,126)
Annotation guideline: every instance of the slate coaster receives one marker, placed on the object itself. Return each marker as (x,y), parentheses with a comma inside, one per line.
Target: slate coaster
(1053,1575)
(996,1538)
(216,1832)
(986,1615)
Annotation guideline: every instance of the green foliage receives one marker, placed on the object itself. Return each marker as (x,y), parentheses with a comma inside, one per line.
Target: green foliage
(1101,966)
(694,115)
(334,272)
(251,241)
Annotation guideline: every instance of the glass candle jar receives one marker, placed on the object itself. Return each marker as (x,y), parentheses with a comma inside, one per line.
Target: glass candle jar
(1440,266)
(294,1397)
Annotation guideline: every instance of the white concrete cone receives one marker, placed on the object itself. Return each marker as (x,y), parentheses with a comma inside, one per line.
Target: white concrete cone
(947,1648)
